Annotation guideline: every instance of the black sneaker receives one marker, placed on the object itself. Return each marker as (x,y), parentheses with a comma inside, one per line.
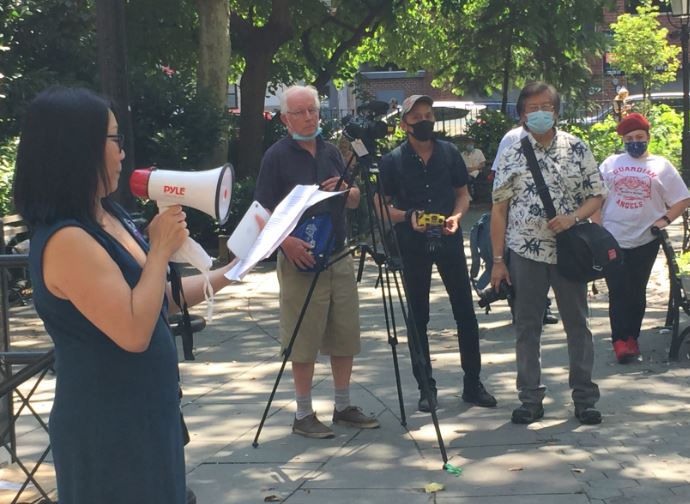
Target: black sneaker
(549,317)
(191,497)
(527,413)
(424,405)
(587,415)
(476,394)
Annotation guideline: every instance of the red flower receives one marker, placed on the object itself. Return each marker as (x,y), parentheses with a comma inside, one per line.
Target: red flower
(167,70)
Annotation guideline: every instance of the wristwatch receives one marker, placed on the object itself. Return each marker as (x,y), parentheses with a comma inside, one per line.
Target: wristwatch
(408,215)
(665,218)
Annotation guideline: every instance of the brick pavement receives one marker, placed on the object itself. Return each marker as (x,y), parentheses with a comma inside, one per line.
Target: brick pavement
(638,454)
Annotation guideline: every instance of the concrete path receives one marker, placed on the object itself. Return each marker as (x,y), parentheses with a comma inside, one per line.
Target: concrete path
(639,454)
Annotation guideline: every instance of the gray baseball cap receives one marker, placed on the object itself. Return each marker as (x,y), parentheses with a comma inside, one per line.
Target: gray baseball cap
(412,100)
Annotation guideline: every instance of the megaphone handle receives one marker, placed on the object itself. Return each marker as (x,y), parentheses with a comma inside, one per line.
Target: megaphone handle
(190,252)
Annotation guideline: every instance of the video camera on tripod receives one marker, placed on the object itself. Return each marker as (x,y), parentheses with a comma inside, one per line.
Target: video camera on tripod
(367,125)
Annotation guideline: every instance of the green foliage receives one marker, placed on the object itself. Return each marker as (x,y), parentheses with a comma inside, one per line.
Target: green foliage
(488,130)
(576,130)
(43,43)
(665,132)
(8,155)
(323,42)
(483,45)
(641,48)
(603,139)
(683,261)
(175,125)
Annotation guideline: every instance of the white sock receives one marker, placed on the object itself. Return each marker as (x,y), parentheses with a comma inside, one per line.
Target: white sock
(342,399)
(304,407)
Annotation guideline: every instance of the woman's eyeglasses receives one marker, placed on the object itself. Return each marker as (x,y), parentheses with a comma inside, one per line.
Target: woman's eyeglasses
(120,139)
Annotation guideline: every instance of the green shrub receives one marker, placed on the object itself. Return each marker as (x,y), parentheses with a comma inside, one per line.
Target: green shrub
(603,139)
(666,133)
(8,155)
(488,130)
(683,261)
(175,126)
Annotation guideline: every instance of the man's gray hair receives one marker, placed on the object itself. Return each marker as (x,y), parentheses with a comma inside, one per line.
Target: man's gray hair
(298,89)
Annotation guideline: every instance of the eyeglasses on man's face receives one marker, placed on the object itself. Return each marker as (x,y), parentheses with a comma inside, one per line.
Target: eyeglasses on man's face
(304,112)
(119,139)
(544,107)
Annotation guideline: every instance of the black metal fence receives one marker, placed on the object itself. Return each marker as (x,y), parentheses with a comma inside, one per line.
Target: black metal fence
(19,369)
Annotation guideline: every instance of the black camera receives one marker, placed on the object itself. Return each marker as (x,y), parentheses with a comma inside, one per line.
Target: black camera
(365,126)
(489,295)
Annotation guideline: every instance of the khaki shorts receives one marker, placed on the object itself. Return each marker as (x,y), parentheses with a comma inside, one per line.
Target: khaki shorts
(331,322)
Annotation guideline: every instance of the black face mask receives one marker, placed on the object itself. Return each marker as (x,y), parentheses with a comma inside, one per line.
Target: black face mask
(422,130)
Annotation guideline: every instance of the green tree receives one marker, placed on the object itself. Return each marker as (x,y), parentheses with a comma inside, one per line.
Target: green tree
(641,49)
(279,42)
(45,42)
(485,46)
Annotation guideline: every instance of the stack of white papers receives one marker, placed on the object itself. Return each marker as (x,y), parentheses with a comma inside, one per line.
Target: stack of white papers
(279,226)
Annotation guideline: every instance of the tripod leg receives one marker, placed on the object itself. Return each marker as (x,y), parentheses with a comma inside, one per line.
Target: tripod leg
(417,359)
(286,356)
(415,348)
(389,315)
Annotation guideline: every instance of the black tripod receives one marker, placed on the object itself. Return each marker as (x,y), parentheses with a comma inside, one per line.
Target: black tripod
(388,266)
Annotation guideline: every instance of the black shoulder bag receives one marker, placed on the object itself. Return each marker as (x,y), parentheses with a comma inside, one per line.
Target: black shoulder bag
(584,251)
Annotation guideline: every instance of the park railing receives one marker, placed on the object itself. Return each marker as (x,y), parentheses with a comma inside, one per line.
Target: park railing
(19,371)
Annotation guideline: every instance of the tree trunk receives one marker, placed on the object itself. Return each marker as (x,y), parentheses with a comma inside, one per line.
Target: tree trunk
(252,123)
(112,64)
(214,60)
(259,44)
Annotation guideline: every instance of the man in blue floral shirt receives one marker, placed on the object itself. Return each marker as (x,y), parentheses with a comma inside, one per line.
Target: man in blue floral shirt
(519,226)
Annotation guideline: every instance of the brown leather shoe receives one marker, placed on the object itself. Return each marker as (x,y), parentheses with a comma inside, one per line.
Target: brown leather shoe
(352,416)
(311,427)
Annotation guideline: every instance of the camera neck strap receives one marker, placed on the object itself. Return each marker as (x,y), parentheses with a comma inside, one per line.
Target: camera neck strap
(534,169)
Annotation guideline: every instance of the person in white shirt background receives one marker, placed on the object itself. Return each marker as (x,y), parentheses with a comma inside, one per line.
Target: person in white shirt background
(644,190)
(474,161)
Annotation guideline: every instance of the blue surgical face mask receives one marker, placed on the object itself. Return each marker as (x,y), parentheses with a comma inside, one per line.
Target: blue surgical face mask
(306,138)
(539,121)
(636,149)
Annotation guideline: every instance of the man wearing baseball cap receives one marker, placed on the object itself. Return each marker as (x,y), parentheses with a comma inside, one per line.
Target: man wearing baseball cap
(428,176)
(645,190)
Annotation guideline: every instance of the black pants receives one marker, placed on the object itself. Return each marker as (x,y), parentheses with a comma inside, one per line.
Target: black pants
(627,284)
(452,266)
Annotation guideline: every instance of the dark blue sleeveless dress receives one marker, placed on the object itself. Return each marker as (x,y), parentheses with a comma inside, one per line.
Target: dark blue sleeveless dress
(115,426)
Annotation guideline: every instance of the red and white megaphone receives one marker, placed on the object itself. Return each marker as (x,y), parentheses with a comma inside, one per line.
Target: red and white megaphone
(209,191)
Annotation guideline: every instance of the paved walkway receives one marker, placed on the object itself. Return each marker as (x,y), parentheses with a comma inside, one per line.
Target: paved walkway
(639,454)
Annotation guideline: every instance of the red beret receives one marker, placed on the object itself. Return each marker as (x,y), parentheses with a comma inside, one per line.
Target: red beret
(632,122)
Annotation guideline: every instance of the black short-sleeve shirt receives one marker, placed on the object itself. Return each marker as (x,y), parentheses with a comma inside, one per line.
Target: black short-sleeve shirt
(286,164)
(429,187)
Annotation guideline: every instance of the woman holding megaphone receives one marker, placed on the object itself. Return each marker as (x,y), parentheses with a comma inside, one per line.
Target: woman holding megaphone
(102,293)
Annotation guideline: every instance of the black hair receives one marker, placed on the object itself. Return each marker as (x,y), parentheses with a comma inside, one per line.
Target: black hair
(535,88)
(61,156)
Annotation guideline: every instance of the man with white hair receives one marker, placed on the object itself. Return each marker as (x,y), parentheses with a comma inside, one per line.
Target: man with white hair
(331,322)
